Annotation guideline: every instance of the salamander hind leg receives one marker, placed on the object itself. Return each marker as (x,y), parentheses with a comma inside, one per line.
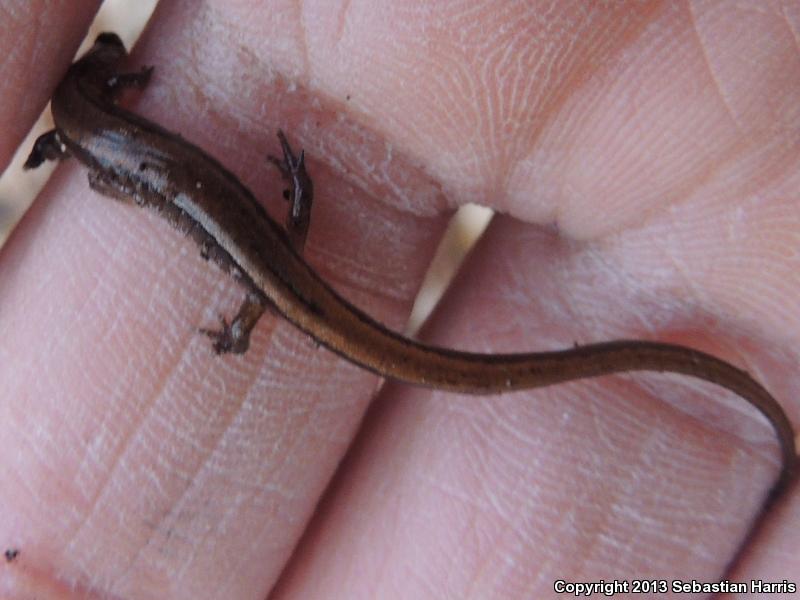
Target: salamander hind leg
(300,193)
(234,337)
(104,183)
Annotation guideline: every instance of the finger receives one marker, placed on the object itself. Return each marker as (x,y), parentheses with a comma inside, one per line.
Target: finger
(616,478)
(121,412)
(768,565)
(658,475)
(37,42)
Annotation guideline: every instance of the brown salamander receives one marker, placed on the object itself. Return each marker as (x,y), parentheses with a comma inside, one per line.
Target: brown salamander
(133,159)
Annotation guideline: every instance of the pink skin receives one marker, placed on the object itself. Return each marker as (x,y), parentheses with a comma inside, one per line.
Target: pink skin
(665,146)
(32,37)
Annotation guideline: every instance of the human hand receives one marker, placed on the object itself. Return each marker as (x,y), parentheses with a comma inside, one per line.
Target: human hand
(145,466)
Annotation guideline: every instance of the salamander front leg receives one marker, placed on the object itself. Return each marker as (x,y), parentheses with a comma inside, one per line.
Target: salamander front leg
(300,193)
(48,146)
(235,337)
(138,80)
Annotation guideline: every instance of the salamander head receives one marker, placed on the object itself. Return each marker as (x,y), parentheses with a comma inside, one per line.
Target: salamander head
(108,48)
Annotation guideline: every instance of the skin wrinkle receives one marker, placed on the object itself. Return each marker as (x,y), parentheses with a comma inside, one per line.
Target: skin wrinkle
(135,435)
(556,103)
(507,152)
(236,573)
(482,564)
(680,195)
(630,425)
(382,569)
(659,245)
(598,426)
(72,328)
(465,531)
(512,550)
(472,503)
(301,41)
(689,189)
(32,442)
(431,586)
(399,287)
(341,22)
(601,525)
(491,111)
(190,558)
(711,72)
(795,34)
(565,530)
(501,164)
(496,419)
(359,286)
(198,539)
(403,175)
(195,479)
(575,300)
(504,425)
(453,98)
(668,251)
(102,483)
(702,299)
(172,330)
(440,89)
(353,168)
(634,519)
